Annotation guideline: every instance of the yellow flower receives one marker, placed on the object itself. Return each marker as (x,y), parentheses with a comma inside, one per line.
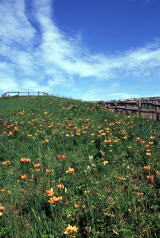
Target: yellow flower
(54,199)
(49,192)
(87,191)
(67,134)
(16,128)
(29,135)
(61,157)
(105,162)
(6,162)
(71,229)
(38,165)
(45,141)
(70,171)
(10,133)
(103,134)
(157,173)
(25,160)
(148,154)
(150,142)
(116,141)
(60,186)
(21,113)
(37,170)
(107,141)
(49,170)
(147,168)
(150,178)
(120,178)
(140,194)
(24,176)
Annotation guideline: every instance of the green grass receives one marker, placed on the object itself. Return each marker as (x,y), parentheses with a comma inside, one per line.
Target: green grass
(110,193)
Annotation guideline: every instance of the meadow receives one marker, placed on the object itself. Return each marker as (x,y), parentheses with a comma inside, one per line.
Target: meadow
(73,169)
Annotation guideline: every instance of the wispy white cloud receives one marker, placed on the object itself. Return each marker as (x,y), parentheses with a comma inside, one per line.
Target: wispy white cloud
(103,94)
(122,95)
(57,60)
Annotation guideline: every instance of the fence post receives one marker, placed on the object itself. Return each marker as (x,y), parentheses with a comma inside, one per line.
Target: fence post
(157,112)
(115,104)
(139,108)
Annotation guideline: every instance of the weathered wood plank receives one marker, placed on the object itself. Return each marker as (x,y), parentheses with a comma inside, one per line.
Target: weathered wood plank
(135,105)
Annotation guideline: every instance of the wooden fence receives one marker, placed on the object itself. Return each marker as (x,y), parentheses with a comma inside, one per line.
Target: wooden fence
(7,94)
(144,106)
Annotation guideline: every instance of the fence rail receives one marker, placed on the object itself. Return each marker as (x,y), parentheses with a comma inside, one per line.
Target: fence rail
(7,94)
(143,106)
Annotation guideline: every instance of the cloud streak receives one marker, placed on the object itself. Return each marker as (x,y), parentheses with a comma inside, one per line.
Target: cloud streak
(35,54)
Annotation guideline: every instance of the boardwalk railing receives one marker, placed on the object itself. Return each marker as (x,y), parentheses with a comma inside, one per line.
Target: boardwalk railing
(7,94)
(147,106)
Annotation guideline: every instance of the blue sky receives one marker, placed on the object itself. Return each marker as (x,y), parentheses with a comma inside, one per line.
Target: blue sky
(85,49)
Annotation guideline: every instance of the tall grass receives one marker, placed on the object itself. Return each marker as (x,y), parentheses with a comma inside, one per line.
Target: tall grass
(72,169)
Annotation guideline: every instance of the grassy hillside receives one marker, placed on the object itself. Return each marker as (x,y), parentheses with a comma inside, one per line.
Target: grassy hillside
(72,169)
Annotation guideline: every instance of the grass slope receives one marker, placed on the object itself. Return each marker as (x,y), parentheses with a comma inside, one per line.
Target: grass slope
(71,169)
